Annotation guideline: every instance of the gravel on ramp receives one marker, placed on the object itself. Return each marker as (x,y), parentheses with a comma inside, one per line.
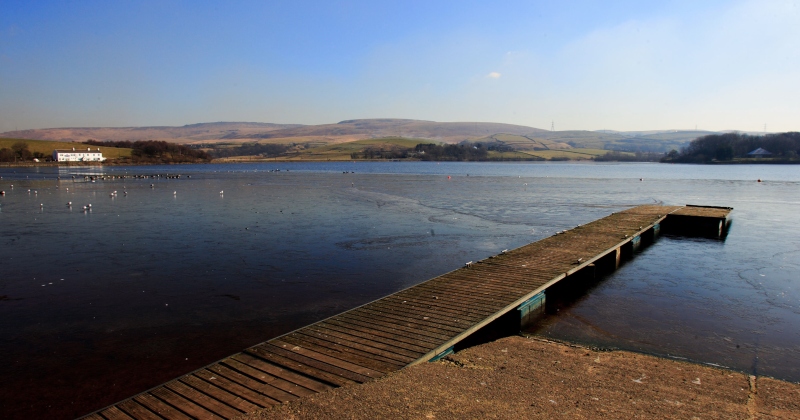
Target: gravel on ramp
(519,377)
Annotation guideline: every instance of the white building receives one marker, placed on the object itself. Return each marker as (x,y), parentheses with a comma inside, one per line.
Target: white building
(80,155)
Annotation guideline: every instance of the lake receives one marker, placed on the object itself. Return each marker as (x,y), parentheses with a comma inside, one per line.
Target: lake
(170,274)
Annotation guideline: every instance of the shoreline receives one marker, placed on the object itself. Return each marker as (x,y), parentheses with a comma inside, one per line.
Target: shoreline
(528,377)
(246,161)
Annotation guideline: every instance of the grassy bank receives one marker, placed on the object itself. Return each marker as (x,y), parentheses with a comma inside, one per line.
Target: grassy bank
(47,147)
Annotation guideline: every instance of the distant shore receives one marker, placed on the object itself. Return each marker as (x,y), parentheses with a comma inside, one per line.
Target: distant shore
(520,377)
(278,160)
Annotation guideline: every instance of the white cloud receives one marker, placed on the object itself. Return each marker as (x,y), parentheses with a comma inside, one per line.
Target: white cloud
(493,75)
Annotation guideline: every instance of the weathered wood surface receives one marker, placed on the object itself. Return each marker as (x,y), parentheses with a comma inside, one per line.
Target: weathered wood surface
(408,327)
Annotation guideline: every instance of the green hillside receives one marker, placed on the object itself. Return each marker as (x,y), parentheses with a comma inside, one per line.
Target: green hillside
(46,147)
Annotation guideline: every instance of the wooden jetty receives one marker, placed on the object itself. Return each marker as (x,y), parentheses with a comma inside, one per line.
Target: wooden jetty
(418,324)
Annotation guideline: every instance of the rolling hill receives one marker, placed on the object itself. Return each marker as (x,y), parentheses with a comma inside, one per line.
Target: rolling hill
(185,134)
(511,137)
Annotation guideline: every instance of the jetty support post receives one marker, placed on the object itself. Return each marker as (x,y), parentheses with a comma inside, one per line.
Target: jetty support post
(532,309)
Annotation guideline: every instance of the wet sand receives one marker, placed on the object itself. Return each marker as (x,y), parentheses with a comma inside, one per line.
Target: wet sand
(520,377)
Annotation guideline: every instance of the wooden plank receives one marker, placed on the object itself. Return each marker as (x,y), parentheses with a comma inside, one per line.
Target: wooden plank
(484,296)
(160,407)
(137,411)
(202,399)
(377,335)
(412,304)
(395,325)
(522,270)
(316,360)
(410,320)
(510,287)
(388,338)
(225,397)
(369,360)
(419,312)
(233,394)
(275,395)
(355,344)
(476,327)
(310,371)
(387,348)
(427,319)
(396,328)
(184,404)
(469,284)
(114,413)
(466,292)
(281,375)
(444,304)
(482,301)
(315,353)
(461,287)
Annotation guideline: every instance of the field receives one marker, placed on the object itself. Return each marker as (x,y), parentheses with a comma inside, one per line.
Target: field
(46,147)
(526,142)
(343,151)
(571,154)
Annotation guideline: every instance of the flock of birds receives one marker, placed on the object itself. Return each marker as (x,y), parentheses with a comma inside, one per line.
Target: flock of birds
(113,194)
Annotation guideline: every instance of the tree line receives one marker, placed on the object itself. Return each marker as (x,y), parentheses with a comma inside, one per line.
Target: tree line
(154,151)
(730,146)
(19,152)
(451,152)
(617,156)
(380,152)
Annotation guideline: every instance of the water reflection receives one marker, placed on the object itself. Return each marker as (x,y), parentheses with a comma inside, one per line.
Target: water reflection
(148,284)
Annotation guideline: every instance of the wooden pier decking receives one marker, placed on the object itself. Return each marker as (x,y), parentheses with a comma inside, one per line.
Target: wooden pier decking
(412,326)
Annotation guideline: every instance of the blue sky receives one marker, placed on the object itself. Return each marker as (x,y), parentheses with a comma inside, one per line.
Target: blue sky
(627,65)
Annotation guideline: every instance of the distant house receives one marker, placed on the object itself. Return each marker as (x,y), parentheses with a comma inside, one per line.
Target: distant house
(759,153)
(80,155)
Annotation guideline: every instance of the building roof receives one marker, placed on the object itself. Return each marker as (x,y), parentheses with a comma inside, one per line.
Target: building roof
(759,152)
(76,150)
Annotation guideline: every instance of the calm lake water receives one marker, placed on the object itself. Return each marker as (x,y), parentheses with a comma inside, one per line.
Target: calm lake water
(98,305)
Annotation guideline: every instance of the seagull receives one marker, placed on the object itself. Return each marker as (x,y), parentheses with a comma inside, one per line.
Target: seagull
(174,193)
(221,192)
(69,204)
